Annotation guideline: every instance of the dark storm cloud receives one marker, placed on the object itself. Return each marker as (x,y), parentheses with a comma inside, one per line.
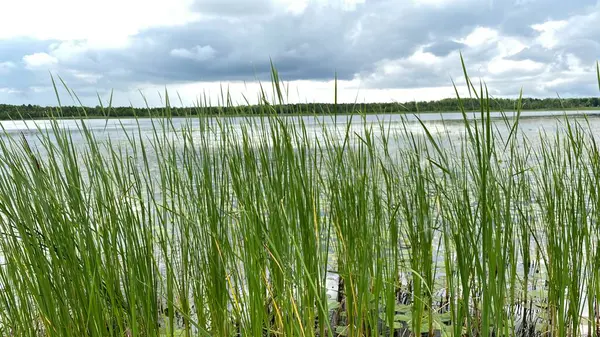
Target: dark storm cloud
(311,46)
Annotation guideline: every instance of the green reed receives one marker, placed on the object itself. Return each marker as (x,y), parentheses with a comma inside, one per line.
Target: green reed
(312,225)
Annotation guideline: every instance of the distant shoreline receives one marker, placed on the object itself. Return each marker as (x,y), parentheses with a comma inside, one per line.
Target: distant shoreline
(446,105)
(344,113)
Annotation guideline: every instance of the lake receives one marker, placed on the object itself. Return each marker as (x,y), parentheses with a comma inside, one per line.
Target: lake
(531,123)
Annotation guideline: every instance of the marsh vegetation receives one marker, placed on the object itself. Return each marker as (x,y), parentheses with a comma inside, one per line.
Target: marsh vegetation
(272,226)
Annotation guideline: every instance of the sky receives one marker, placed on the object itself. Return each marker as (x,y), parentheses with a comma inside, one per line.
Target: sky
(379,50)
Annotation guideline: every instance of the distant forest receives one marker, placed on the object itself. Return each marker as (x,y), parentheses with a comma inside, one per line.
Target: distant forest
(445,105)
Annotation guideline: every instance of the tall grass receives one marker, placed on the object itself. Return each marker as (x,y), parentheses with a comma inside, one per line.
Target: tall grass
(300,226)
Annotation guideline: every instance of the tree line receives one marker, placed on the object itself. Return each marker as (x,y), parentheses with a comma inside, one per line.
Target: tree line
(29,111)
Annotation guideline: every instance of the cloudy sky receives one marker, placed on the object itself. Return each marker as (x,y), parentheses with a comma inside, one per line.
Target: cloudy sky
(381,50)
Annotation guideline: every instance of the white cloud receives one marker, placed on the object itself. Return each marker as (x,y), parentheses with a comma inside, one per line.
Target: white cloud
(548,32)
(499,66)
(105,23)
(86,77)
(299,92)
(387,70)
(39,60)
(197,53)
(352,5)
(487,55)
(479,36)
(510,45)
(423,58)
(68,50)
(297,7)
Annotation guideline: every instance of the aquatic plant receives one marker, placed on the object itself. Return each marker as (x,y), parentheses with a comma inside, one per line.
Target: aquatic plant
(304,225)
